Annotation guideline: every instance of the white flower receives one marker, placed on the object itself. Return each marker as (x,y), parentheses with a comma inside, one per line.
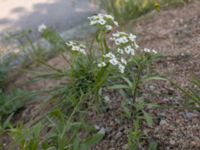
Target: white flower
(102,22)
(118,41)
(93,22)
(154,51)
(116,34)
(123,61)
(81,50)
(132,37)
(132,52)
(103,19)
(109,17)
(121,68)
(150,51)
(116,23)
(119,50)
(124,40)
(70,43)
(102,64)
(147,50)
(114,61)
(108,27)
(110,55)
(83,46)
(42,27)
(129,50)
(76,47)
(136,46)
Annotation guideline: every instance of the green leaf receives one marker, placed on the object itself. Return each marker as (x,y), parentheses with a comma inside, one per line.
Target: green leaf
(152,145)
(7,121)
(153,106)
(148,119)
(155,78)
(76,143)
(118,86)
(93,140)
(128,82)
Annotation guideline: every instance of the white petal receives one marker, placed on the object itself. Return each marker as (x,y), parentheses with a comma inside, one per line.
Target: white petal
(42,27)
(113,61)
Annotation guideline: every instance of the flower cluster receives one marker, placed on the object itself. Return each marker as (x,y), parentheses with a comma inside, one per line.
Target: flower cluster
(103,21)
(102,64)
(76,47)
(146,50)
(126,43)
(115,61)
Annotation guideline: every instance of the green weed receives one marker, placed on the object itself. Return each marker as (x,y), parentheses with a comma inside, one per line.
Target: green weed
(191,95)
(116,63)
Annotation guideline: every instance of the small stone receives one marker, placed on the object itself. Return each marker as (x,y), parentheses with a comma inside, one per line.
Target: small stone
(102,131)
(172,142)
(190,115)
(117,121)
(118,135)
(163,122)
(96,127)
(151,87)
(107,99)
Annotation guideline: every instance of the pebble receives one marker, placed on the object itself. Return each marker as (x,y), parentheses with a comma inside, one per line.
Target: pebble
(102,131)
(172,142)
(151,87)
(163,122)
(96,127)
(190,115)
(118,135)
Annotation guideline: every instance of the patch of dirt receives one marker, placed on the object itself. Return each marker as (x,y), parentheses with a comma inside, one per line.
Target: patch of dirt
(172,31)
(24,80)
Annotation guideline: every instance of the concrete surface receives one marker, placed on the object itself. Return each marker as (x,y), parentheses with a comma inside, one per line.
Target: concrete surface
(16,15)
(68,17)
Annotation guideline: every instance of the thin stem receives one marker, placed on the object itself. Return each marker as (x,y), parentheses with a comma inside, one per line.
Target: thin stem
(49,66)
(137,81)
(72,114)
(65,58)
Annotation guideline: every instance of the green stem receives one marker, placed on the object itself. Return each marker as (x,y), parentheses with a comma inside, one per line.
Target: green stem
(102,76)
(66,60)
(136,85)
(105,45)
(137,81)
(49,66)
(72,114)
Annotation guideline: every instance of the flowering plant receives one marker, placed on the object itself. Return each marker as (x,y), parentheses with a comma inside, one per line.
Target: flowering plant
(123,45)
(116,54)
(117,59)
